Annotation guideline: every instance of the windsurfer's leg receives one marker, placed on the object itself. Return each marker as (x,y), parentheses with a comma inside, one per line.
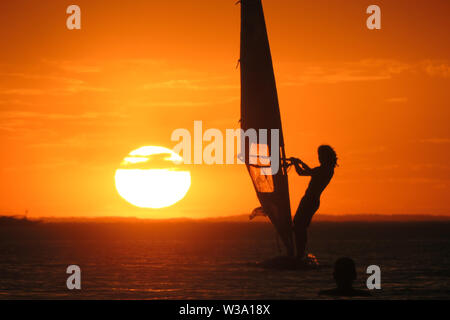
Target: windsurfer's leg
(302,220)
(300,231)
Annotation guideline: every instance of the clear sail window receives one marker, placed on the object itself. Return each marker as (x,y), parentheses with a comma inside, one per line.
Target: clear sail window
(260,167)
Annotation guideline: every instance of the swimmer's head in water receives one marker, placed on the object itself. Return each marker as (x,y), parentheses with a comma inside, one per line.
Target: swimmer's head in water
(327,156)
(344,271)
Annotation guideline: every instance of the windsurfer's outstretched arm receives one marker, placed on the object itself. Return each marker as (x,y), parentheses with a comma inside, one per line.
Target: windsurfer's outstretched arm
(302,168)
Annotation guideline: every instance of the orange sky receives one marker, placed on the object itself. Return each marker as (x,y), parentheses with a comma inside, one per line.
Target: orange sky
(74,103)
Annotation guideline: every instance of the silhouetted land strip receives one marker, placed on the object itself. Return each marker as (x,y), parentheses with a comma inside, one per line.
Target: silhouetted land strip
(22,229)
(17,221)
(20,220)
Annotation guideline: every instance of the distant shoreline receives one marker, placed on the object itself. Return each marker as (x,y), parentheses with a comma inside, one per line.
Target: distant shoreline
(17,220)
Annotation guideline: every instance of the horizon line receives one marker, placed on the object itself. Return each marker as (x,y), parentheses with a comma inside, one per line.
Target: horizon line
(359,217)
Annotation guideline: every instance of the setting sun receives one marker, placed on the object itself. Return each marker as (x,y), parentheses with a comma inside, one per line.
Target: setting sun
(149,178)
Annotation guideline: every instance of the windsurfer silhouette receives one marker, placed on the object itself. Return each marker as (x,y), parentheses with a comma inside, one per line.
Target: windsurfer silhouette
(320,178)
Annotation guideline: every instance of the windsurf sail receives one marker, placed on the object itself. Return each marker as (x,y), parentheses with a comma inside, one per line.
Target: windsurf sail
(260,110)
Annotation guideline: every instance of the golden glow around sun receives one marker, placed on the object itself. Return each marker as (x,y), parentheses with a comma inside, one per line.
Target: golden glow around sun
(150,177)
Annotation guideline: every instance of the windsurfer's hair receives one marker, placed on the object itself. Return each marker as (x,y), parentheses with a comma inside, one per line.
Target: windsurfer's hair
(327,155)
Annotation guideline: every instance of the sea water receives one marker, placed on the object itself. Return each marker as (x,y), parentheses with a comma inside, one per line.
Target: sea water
(216,260)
